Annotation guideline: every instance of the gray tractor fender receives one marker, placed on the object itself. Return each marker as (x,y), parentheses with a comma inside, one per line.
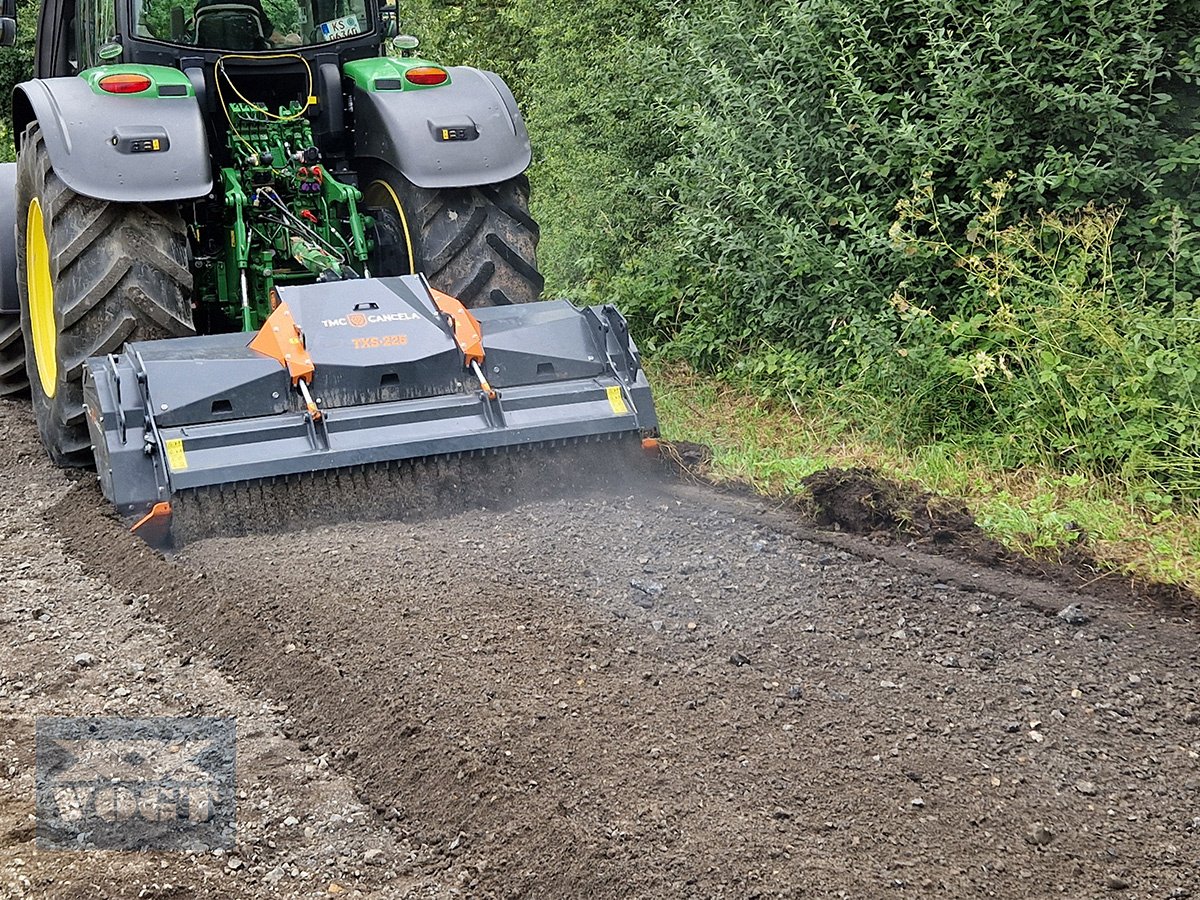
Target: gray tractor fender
(102,146)
(465,133)
(9,301)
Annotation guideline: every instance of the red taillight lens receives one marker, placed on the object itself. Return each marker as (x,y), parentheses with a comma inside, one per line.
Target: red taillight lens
(124,83)
(426,75)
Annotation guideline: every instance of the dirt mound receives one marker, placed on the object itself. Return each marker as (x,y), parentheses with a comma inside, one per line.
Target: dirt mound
(861,501)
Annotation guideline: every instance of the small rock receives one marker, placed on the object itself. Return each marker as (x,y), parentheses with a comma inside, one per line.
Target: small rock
(1012,727)
(1086,788)
(951,662)
(373,856)
(202,811)
(291,821)
(1074,615)
(917,802)
(234,863)
(84,660)
(649,588)
(1115,882)
(274,876)
(795,692)
(1037,737)
(1039,835)
(335,888)
(739,659)
(1192,718)
(121,692)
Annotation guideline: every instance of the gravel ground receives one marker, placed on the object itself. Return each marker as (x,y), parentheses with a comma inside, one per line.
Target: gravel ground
(77,645)
(653,690)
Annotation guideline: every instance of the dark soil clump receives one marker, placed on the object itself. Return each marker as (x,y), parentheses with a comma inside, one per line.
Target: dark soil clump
(861,501)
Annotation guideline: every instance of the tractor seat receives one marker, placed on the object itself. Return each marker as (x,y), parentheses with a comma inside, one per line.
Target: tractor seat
(230,26)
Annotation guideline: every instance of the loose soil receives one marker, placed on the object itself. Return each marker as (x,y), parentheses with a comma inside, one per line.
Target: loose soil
(649,688)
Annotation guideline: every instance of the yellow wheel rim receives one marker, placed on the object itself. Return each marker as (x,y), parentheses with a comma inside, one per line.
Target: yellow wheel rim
(391,194)
(41,299)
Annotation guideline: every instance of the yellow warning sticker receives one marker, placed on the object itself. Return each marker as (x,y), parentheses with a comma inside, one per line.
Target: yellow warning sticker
(617,401)
(176,458)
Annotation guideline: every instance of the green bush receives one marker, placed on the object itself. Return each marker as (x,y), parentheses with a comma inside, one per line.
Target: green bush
(1050,355)
(801,125)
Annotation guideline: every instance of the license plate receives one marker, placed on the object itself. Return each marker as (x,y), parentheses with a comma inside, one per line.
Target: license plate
(336,29)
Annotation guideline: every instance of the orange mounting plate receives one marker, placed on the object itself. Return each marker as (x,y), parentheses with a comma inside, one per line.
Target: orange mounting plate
(279,338)
(466,327)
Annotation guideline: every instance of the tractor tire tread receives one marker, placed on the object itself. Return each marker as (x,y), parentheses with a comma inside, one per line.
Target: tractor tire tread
(478,244)
(14,382)
(120,273)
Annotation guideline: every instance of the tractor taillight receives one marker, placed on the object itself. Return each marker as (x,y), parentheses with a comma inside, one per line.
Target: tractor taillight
(427,75)
(124,83)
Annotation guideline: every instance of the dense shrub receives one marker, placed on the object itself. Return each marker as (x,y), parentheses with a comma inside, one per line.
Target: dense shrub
(803,124)
(1051,355)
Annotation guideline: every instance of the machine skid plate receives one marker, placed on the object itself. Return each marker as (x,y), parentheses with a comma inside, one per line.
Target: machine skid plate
(390,379)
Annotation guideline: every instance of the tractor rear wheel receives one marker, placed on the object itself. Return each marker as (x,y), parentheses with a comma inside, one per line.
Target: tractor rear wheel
(13,380)
(478,244)
(91,275)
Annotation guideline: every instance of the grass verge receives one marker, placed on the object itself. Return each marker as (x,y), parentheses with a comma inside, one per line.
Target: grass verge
(774,446)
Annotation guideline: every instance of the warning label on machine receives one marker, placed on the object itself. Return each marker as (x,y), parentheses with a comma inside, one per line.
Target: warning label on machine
(176,458)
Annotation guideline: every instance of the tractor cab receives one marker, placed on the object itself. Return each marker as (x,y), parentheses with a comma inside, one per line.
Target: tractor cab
(75,35)
(249,25)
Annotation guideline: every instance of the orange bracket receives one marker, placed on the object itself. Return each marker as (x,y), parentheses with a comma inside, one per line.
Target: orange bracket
(155,525)
(466,327)
(279,338)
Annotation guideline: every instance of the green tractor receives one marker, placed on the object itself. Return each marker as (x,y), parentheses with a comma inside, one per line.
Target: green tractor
(288,177)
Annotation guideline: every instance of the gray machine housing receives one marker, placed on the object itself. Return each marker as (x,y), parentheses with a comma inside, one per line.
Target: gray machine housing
(79,127)
(401,128)
(390,379)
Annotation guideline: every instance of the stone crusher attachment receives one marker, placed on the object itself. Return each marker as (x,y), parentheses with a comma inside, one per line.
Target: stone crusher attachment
(356,374)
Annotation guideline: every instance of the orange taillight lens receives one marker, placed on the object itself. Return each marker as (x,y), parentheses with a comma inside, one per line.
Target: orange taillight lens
(124,83)
(427,75)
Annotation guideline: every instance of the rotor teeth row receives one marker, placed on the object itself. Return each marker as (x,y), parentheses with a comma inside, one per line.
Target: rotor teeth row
(402,490)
